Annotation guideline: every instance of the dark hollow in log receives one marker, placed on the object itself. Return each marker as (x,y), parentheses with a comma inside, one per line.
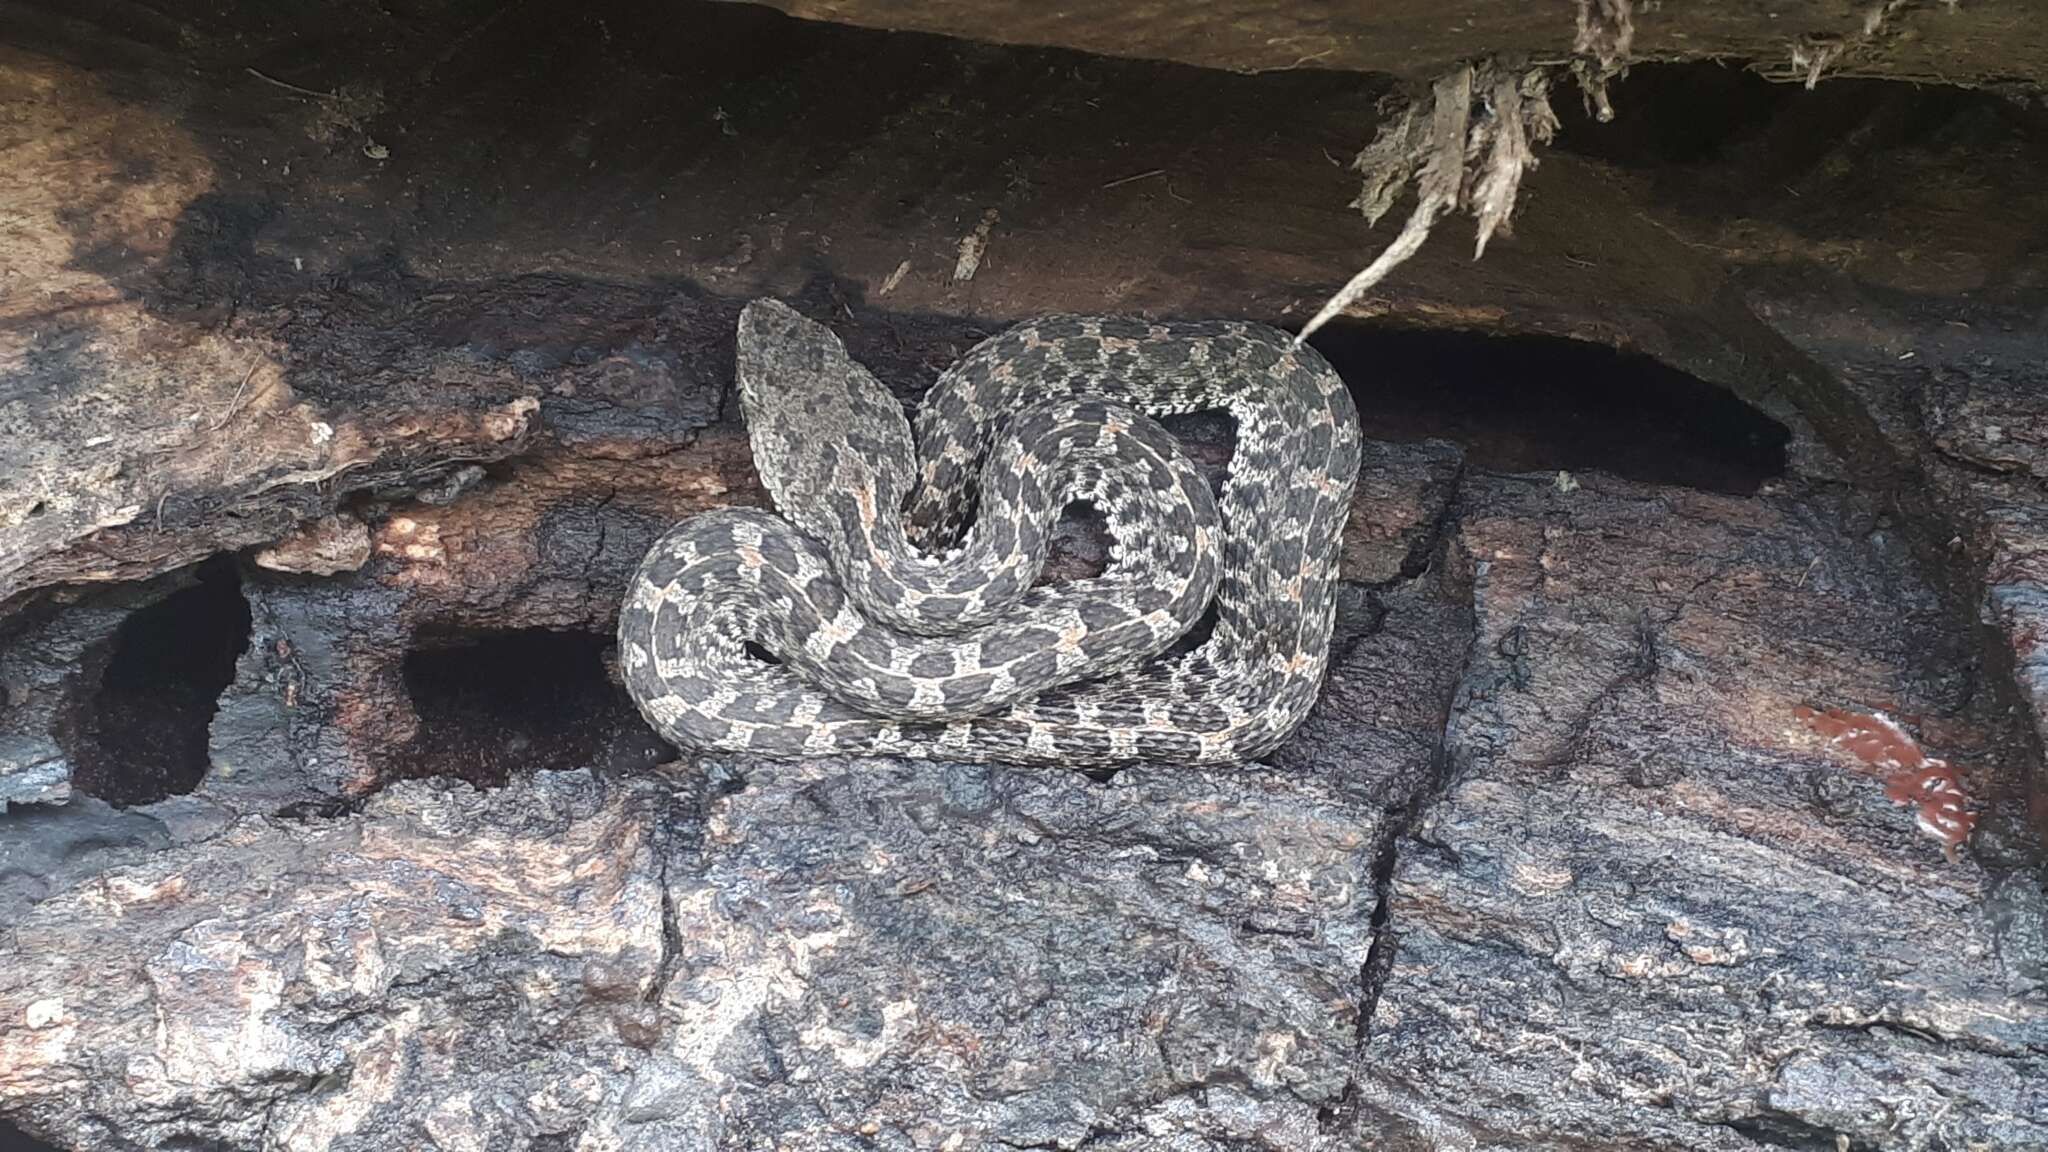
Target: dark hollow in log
(137,732)
(1538,403)
(495,703)
(13,1139)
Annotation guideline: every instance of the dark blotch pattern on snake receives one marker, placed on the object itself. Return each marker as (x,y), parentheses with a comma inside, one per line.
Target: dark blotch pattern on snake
(896,587)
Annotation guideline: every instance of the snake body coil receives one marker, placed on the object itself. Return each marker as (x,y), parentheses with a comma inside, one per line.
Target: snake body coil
(896,588)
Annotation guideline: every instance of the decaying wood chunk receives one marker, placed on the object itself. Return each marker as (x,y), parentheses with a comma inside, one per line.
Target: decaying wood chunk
(418,324)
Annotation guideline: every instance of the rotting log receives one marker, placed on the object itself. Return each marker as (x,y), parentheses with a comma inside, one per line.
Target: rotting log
(1541,867)
(235,256)
(2001,41)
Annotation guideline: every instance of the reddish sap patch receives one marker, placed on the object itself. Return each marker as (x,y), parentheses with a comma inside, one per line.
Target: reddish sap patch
(1911,777)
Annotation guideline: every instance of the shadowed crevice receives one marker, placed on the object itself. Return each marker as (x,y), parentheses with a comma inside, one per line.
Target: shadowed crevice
(492,704)
(13,1139)
(136,732)
(1545,404)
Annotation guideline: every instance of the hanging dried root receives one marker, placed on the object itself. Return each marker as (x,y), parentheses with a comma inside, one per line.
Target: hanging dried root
(1464,145)
(1606,32)
(1817,54)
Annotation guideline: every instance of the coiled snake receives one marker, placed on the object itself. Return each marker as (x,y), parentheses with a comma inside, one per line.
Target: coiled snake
(895,591)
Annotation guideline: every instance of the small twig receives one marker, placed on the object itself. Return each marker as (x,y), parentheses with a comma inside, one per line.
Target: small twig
(235,403)
(276,83)
(1139,176)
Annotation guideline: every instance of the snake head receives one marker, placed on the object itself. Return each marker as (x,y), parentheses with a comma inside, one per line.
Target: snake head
(821,426)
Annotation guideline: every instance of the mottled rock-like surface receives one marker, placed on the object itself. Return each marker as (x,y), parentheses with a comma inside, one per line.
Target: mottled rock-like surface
(1552,864)
(60,655)
(1966,401)
(1402,491)
(865,942)
(50,847)
(1651,908)
(37,656)
(445,968)
(850,950)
